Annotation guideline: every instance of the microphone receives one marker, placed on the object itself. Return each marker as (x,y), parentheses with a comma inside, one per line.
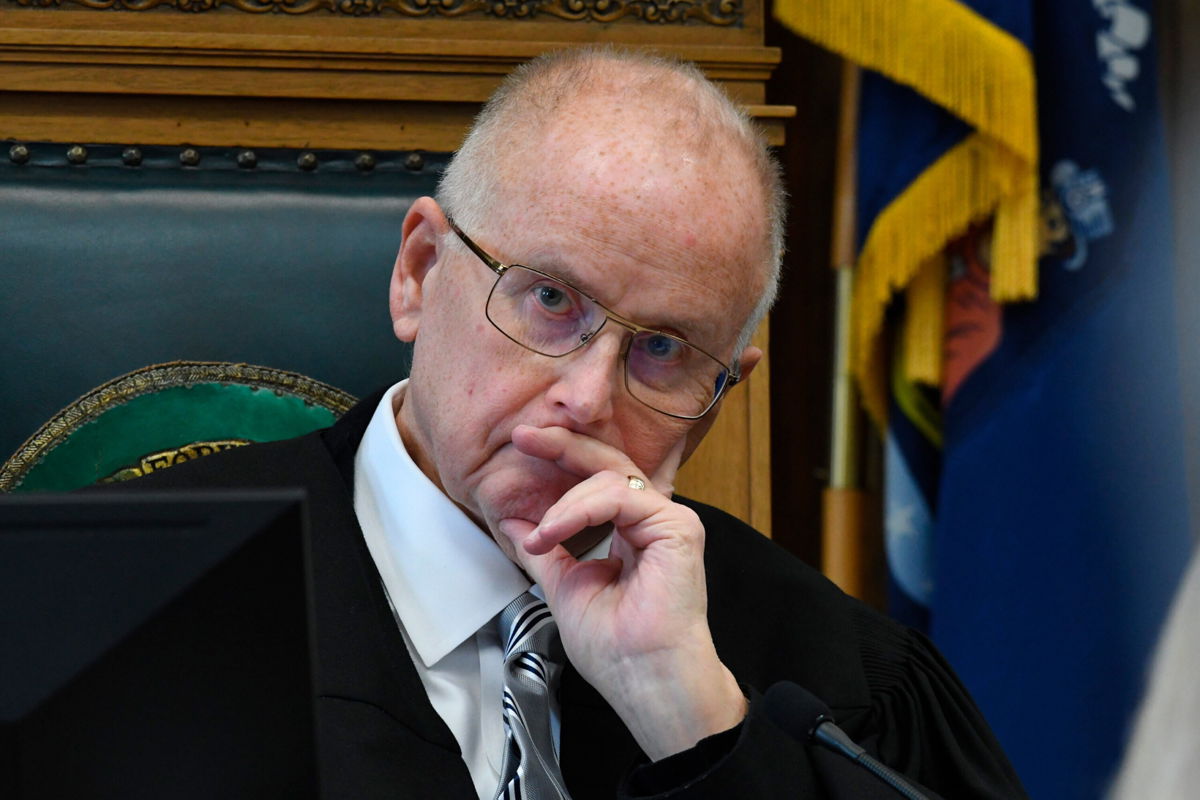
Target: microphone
(802,715)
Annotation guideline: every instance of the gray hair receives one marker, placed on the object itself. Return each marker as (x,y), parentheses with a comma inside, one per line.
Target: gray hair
(527,100)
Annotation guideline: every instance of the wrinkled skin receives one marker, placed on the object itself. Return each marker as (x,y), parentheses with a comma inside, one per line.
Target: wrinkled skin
(538,451)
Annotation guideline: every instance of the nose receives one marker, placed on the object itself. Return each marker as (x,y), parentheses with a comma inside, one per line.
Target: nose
(587,380)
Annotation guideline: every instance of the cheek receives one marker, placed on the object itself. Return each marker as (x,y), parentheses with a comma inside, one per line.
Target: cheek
(488,373)
(457,349)
(648,439)
(482,385)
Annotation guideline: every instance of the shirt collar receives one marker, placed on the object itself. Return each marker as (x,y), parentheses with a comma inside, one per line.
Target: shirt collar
(445,576)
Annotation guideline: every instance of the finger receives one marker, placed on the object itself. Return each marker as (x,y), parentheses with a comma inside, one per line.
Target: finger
(584,456)
(515,529)
(559,523)
(557,569)
(574,452)
(664,477)
(604,498)
(544,568)
(641,517)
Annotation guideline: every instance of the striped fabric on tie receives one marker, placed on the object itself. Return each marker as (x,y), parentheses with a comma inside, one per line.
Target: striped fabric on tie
(533,657)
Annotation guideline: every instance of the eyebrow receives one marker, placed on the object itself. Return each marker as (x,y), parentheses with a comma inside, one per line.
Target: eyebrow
(556,267)
(552,265)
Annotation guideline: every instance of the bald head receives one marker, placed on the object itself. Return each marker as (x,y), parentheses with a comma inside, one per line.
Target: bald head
(632,126)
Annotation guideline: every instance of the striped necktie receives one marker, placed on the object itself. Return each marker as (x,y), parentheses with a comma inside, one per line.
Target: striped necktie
(533,657)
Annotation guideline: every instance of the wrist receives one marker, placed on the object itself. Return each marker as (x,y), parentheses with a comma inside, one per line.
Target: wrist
(672,700)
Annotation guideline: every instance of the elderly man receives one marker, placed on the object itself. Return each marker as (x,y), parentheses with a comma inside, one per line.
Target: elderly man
(580,297)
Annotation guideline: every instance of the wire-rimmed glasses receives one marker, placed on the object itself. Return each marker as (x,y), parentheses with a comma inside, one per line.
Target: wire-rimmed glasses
(547,315)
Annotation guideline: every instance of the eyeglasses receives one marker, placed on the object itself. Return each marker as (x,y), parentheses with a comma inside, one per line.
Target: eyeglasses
(549,316)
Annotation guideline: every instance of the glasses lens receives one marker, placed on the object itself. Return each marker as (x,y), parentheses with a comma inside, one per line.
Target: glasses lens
(671,375)
(541,312)
(553,318)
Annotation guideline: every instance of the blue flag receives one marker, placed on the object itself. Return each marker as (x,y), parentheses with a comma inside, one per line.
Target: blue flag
(1036,509)
(1061,527)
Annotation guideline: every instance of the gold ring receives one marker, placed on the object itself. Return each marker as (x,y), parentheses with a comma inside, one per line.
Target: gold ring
(636,483)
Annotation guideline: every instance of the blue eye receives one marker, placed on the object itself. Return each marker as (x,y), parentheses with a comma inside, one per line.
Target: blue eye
(552,298)
(662,348)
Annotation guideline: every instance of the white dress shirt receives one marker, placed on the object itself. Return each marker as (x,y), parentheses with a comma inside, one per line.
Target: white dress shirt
(446,581)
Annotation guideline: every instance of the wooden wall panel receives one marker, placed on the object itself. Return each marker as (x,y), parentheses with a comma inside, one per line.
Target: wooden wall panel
(366,74)
(731,469)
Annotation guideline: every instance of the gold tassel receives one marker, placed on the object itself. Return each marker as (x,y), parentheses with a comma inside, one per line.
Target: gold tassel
(924,323)
(984,76)
(943,49)
(958,189)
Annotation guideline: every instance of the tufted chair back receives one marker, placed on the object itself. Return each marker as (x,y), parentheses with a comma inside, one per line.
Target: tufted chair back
(115,257)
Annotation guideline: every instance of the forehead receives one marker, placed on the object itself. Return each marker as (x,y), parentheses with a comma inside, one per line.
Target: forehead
(661,230)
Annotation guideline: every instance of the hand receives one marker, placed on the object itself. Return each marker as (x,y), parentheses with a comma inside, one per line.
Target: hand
(634,624)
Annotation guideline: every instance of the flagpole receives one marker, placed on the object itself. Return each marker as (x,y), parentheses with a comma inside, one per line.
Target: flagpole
(843,556)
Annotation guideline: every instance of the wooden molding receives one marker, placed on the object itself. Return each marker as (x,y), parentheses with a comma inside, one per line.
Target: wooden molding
(278,81)
(709,12)
(267,62)
(370,75)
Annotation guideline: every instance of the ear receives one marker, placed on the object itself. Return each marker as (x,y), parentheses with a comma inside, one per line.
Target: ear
(749,360)
(420,245)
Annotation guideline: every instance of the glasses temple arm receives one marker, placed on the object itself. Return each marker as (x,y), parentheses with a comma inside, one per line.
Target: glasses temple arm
(496,266)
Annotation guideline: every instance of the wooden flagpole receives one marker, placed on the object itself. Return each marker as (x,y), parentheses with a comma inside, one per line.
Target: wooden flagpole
(843,554)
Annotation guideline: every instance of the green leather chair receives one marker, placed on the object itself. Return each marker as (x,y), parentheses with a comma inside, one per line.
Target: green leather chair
(156,417)
(114,257)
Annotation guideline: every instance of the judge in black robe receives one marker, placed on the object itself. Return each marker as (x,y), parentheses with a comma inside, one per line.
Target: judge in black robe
(772,619)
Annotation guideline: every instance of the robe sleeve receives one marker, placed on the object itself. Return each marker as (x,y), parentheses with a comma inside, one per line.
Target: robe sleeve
(919,720)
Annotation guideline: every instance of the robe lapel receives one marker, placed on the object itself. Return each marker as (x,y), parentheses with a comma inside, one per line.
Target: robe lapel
(596,749)
(379,734)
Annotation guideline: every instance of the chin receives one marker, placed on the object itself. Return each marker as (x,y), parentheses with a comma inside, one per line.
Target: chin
(525,493)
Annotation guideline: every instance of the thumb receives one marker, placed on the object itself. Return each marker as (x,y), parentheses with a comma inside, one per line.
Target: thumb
(664,477)
(545,569)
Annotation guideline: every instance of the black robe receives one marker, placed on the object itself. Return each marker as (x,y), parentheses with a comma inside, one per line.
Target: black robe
(772,617)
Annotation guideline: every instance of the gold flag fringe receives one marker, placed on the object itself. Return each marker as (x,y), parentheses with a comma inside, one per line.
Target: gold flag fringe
(958,189)
(925,323)
(981,74)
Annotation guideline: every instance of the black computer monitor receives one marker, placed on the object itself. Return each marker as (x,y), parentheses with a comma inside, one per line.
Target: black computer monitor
(156,645)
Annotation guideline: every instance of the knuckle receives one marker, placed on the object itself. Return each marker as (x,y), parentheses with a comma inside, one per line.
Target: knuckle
(611,476)
(692,525)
